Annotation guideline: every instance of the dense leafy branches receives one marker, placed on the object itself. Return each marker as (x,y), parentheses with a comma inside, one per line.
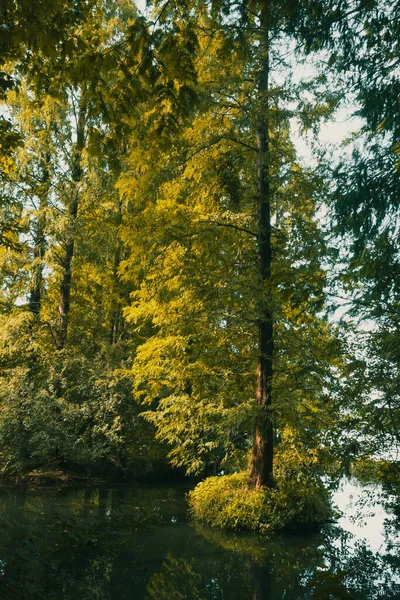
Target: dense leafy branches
(62,297)
(366,199)
(161,240)
(194,241)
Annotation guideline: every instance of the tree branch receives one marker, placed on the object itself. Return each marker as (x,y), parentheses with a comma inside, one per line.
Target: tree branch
(230,225)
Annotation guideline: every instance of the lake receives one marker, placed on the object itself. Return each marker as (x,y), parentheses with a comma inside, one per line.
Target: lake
(136,542)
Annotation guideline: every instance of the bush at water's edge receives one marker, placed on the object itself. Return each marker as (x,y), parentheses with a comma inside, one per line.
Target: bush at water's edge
(370,470)
(226,502)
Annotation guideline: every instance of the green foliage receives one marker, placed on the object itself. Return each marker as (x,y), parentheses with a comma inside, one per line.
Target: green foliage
(65,398)
(58,408)
(130,196)
(299,499)
(365,201)
(69,411)
(177,577)
(197,295)
(368,470)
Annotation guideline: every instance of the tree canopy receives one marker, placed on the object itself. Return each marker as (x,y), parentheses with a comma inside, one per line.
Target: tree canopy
(168,263)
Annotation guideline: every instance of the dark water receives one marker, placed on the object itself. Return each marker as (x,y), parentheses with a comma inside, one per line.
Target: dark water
(137,543)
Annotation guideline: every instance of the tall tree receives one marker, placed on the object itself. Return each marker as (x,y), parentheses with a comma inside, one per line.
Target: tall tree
(76,170)
(224,218)
(261,469)
(366,53)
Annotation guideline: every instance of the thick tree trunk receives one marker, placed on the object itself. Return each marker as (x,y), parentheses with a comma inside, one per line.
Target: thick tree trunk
(261,467)
(39,242)
(67,258)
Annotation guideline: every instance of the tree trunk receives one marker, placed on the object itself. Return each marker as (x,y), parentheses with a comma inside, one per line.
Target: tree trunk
(116,310)
(261,466)
(67,258)
(66,262)
(39,243)
(116,316)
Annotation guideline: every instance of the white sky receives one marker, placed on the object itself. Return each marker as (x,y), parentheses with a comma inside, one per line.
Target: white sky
(333,133)
(141,4)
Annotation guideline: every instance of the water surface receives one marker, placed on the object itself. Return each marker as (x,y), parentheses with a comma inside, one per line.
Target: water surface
(137,543)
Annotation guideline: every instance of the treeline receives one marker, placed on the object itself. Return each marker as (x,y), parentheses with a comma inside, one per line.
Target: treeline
(168,264)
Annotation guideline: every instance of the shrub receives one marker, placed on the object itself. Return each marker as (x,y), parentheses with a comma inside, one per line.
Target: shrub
(68,411)
(370,470)
(226,502)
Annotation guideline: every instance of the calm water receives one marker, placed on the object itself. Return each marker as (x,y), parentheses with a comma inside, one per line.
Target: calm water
(137,543)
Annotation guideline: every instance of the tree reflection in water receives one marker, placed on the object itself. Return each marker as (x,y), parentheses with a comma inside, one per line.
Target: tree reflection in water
(136,544)
(327,566)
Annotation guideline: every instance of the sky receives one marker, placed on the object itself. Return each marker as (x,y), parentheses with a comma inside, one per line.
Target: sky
(141,4)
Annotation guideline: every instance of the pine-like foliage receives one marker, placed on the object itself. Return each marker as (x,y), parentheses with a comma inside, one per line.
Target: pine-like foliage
(193,259)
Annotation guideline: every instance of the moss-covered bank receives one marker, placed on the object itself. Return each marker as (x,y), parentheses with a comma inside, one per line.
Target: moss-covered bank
(226,502)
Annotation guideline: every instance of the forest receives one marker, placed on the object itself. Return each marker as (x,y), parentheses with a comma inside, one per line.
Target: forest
(183,291)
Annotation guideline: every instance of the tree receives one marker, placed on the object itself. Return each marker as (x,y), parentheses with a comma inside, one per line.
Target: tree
(366,204)
(229,253)
(65,346)
(48,29)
